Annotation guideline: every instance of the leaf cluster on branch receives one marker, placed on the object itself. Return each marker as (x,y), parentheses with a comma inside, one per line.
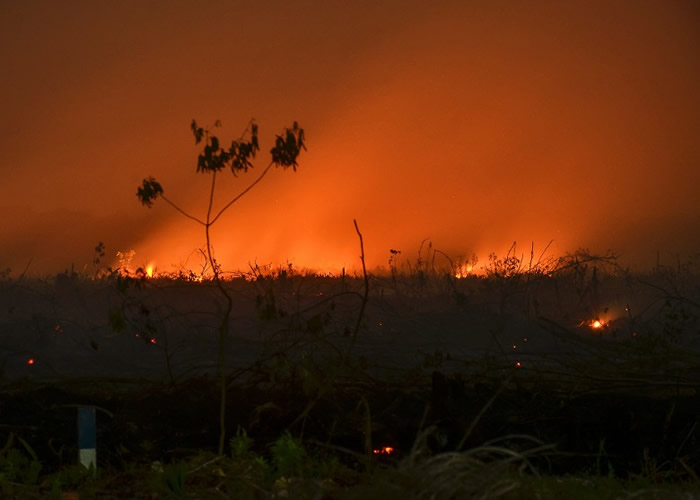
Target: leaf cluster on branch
(238,156)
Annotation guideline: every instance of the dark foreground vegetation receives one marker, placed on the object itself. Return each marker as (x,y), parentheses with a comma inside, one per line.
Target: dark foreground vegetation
(409,384)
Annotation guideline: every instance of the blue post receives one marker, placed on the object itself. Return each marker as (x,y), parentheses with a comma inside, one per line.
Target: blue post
(87,437)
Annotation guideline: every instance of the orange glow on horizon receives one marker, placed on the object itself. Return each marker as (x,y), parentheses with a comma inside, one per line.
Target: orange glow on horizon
(502,161)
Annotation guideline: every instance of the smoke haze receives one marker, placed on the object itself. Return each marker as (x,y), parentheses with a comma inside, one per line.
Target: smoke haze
(473,124)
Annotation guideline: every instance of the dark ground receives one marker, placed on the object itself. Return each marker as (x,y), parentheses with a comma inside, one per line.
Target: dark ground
(473,360)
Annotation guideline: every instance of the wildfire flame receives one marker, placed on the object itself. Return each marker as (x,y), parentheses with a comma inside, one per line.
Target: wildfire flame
(125,267)
(384,450)
(597,324)
(463,271)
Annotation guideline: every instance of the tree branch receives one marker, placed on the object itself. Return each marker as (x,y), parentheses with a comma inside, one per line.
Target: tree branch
(366,280)
(240,195)
(211,198)
(182,211)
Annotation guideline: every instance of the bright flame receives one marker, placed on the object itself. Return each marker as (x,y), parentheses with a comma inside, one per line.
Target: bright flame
(149,270)
(597,324)
(463,271)
(385,450)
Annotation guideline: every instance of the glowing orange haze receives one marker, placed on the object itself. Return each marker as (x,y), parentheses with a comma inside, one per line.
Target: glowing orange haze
(472,124)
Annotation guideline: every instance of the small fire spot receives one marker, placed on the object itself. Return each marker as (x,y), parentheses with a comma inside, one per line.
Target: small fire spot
(153,341)
(596,324)
(30,361)
(518,364)
(515,347)
(385,450)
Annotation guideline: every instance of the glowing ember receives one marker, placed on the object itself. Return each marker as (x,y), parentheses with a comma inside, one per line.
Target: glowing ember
(518,364)
(30,361)
(153,341)
(385,450)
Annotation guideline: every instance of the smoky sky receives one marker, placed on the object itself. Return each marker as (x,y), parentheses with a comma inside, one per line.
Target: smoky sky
(472,124)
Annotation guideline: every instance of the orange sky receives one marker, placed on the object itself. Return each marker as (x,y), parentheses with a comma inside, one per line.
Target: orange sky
(473,124)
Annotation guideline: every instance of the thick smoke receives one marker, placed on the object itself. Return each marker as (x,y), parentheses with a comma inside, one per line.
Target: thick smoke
(471,124)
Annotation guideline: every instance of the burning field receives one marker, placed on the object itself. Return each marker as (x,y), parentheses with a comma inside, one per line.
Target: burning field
(577,367)
(254,136)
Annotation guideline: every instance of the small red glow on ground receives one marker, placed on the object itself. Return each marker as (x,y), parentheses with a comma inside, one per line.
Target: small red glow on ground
(153,341)
(518,364)
(385,450)
(30,361)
